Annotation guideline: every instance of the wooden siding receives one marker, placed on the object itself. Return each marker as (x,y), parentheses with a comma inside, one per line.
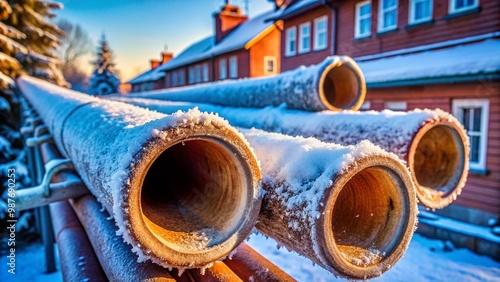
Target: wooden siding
(269,45)
(312,57)
(481,192)
(486,20)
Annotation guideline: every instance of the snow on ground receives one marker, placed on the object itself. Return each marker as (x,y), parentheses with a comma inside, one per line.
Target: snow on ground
(425,260)
(30,265)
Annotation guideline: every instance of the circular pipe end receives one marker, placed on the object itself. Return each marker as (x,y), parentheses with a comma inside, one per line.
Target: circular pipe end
(438,159)
(370,220)
(197,197)
(342,86)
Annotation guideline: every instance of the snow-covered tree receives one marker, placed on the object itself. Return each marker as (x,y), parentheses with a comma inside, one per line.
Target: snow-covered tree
(38,57)
(28,43)
(104,79)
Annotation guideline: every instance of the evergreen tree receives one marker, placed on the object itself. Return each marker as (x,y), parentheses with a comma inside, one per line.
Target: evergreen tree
(39,56)
(104,80)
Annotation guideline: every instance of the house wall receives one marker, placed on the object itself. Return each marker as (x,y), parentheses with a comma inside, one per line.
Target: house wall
(312,57)
(269,45)
(440,29)
(482,192)
(243,63)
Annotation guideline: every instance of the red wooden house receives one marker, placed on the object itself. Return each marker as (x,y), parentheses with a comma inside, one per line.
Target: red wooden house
(240,47)
(417,54)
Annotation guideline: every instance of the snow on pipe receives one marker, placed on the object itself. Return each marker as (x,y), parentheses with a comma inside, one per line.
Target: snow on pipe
(351,210)
(432,142)
(335,84)
(183,188)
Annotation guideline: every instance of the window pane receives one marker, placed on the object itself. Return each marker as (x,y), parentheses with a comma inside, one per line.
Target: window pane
(474,148)
(364,26)
(322,39)
(389,3)
(459,4)
(365,9)
(466,118)
(390,19)
(477,119)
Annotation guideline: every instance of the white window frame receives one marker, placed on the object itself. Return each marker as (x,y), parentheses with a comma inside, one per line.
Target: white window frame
(412,10)
(222,68)
(457,106)
(381,11)
(317,32)
(204,72)
(359,18)
(302,36)
(452,7)
(233,67)
(268,59)
(291,40)
(396,105)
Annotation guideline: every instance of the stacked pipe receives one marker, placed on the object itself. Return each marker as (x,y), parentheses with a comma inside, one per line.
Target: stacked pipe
(433,143)
(152,172)
(350,209)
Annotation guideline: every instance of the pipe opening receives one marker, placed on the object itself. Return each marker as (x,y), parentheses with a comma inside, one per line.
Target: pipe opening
(438,162)
(368,216)
(342,87)
(194,194)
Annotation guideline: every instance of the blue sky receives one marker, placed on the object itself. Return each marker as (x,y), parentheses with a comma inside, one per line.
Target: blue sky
(139,30)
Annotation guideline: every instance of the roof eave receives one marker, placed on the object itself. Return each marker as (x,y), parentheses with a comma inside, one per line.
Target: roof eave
(297,12)
(491,76)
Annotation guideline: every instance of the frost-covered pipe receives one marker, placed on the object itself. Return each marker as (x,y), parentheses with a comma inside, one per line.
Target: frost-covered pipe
(432,142)
(351,210)
(335,84)
(183,188)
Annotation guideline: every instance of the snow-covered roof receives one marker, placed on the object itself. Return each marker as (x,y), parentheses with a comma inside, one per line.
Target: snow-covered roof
(150,75)
(459,61)
(299,6)
(238,39)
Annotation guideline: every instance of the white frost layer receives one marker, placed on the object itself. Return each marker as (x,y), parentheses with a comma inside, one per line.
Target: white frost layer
(103,139)
(301,169)
(393,131)
(298,88)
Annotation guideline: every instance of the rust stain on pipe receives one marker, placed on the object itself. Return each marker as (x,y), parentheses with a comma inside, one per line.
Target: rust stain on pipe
(115,257)
(249,265)
(77,259)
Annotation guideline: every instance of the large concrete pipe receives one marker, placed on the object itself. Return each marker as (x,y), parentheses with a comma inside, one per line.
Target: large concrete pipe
(352,209)
(184,189)
(432,142)
(335,84)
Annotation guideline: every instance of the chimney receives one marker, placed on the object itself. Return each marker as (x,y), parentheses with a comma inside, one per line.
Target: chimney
(154,63)
(166,56)
(227,20)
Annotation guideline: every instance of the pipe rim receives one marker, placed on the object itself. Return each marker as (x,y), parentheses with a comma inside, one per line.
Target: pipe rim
(334,257)
(355,72)
(146,240)
(441,196)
